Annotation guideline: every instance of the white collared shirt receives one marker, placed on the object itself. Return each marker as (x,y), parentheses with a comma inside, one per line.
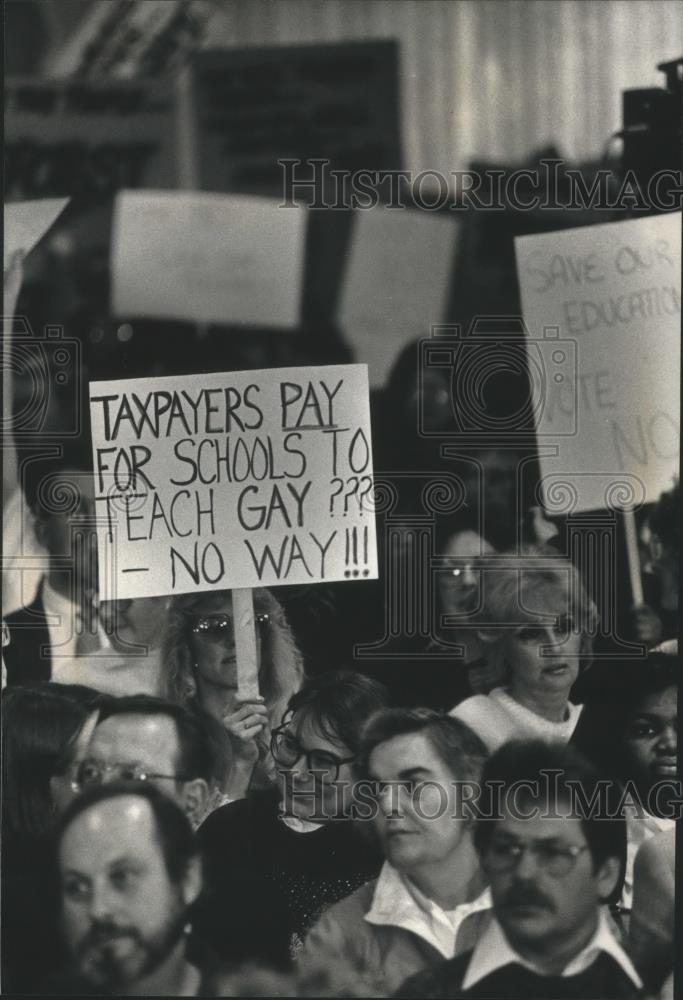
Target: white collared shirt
(296,824)
(106,669)
(63,620)
(669,646)
(493,951)
(639,828)
(24,559)
(399,903)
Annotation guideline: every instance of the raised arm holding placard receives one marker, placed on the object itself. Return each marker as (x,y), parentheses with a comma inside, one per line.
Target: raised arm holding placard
(227,482)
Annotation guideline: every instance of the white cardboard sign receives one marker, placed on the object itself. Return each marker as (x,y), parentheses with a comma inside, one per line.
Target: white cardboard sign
(26,222)
(207,258)
(602,305)
(222,481)
(397,282)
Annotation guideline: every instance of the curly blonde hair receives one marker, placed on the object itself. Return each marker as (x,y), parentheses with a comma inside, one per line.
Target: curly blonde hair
(523,590)
(281,669)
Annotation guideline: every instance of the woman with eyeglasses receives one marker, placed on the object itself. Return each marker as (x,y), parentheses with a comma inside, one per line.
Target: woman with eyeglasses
(45,733)
(201,662)
(278,858)
(538,622)
(465,555)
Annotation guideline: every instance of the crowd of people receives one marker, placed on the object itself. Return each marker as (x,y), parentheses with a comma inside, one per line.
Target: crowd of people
(486,810)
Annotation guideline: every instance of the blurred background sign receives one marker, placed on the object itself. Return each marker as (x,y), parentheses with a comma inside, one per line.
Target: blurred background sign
(207,258)
(208,95)
(71,138)
(27,222)
(257,106)
(397,282)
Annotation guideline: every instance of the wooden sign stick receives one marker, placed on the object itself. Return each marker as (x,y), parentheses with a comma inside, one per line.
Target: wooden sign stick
(633,556)
(245,643)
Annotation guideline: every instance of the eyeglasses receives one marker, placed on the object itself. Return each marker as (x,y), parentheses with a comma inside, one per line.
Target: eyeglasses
(218,626)
(287,750)
(555,859)
(90,773)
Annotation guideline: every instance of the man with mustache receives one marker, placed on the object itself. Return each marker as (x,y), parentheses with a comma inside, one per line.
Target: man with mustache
(552,863)
(129,869)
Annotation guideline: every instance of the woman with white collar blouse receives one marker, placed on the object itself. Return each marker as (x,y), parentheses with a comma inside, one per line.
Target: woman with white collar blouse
(537,622)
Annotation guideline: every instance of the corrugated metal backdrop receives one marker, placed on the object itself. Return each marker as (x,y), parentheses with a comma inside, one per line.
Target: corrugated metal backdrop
(494,79)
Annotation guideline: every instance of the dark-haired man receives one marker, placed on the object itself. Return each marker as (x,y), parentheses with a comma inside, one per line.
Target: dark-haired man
(65,633)
(550,868)
(141,738)
(430,900)
(52,635)
(129,870)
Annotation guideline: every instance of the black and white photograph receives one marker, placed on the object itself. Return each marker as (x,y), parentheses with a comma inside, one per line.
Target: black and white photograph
(341,353)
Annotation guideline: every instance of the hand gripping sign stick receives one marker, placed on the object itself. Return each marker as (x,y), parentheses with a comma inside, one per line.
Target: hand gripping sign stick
(245,643)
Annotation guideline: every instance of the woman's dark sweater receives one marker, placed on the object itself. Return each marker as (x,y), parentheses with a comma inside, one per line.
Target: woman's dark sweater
(266,884)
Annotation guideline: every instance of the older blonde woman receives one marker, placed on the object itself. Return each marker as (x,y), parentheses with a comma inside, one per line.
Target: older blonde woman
(537,622)
(201,668)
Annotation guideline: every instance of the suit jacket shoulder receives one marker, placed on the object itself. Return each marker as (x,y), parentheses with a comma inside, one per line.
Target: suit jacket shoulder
(28,657)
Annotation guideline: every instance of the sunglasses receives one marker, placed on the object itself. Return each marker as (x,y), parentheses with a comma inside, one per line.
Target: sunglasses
(562,629)
(219,626)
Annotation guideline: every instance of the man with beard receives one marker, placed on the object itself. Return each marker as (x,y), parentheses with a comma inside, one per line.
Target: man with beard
(552,863)
(129,870)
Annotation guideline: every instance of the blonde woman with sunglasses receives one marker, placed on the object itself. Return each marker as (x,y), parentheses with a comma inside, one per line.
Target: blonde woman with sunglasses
(537,622)
(201,669)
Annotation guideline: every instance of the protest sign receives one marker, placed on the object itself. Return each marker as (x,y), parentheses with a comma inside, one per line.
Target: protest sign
(87,139)
(237,480)
(336,102)
(602,305)
(207,258)
(26,222)
(397,282)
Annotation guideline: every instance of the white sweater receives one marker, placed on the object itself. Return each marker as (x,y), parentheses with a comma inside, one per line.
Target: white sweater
(497,718)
